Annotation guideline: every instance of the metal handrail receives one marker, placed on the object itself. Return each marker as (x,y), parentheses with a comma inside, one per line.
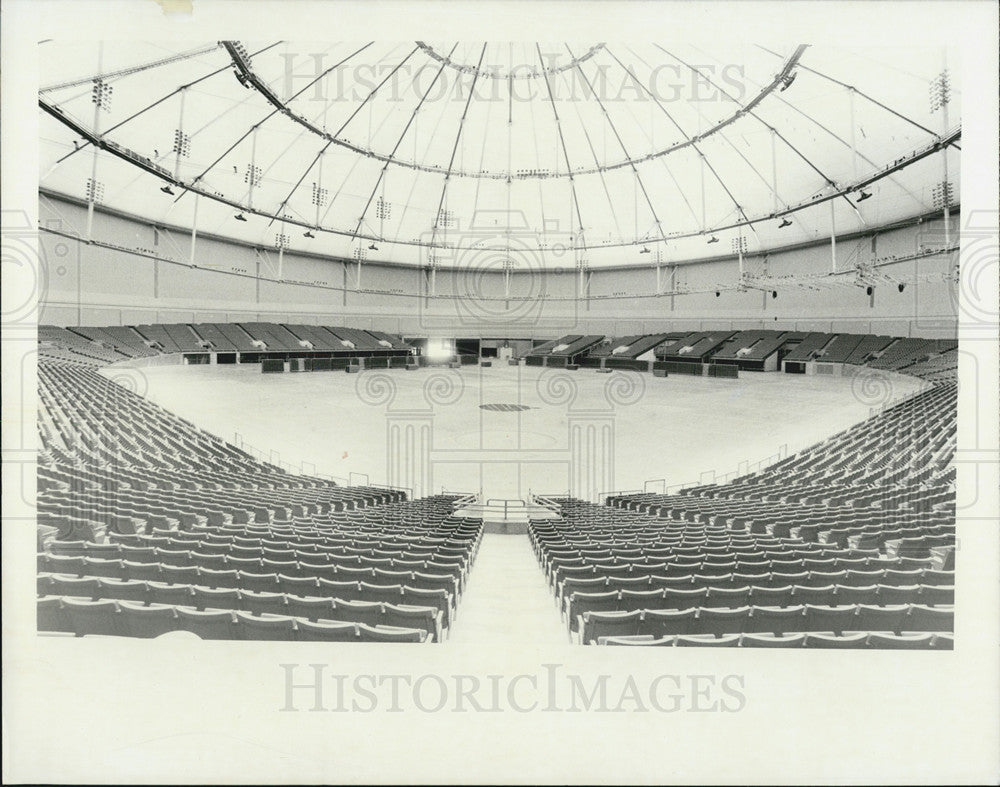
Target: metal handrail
(406,489)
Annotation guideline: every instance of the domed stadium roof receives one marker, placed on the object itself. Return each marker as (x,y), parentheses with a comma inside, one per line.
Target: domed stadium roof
(568,155)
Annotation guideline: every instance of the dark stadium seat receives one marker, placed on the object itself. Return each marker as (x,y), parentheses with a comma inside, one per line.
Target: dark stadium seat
(208,624)
(592,625)
(705,641)
(93,617)
(886,641)
(326,631)
(925,618)
(51,615)
(265,627)
(762,640)
(390,634)
(848,641)
(139,620)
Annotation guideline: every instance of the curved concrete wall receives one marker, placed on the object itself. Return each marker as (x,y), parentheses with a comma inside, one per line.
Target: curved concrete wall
(148,278)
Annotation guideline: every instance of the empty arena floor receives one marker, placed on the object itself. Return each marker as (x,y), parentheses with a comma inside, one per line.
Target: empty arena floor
(674,428)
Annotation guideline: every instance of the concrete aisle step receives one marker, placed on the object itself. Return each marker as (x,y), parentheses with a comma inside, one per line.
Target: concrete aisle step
(507,600)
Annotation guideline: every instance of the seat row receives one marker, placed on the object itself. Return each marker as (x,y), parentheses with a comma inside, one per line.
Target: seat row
(560,568)
(213,549)
(168,566)
(362,605)
(308,576)
(774,579)
(760,620)
(81,618)
(277,583)
(848,640)
(374,548)
(628,599)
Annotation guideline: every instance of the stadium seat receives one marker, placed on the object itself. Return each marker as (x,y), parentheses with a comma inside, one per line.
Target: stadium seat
(93,617)
(924,618)
(265,627)
(209,624)
(203,598)
(703,641)
(850,640)
(51,615)
(139,620)
(327,631)
(761,640)
(885,641)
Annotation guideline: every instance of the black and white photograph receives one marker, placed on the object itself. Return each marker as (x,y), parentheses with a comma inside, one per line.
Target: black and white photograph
(383,408)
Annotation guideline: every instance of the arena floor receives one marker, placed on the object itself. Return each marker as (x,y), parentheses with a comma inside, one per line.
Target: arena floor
(676,428)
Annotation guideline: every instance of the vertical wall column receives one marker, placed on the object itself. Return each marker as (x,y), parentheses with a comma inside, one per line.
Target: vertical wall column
(592,453)
(408,450)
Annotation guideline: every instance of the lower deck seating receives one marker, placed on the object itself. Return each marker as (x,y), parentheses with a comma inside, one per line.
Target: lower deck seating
(106,617)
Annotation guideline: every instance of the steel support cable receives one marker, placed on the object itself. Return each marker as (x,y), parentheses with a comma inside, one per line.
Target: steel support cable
(344,125)
(816,199)
(693,141)
(454,147)
(562,143)
(847,144)
(406,128)
(500,176)
(621,143)
(864,95)
(829,181)
(260,122)
(159,101)
(604,183)
(134,69)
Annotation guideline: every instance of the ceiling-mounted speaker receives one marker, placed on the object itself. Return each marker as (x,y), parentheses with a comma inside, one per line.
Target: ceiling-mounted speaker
(869,290)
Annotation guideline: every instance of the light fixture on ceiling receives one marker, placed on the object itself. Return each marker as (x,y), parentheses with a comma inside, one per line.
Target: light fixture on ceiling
(372,247)
(774,293)
(785,222)
(717,293)
(240,217)
(869,290)
(167,190)
(786,82)
(308,234)
(901,286)
(713,239)
(863,196)
(645,250)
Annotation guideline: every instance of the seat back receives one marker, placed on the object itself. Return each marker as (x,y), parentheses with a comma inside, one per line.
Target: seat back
(390,634)
(608,624)
(326,631)
(886,641)
(50,615)
(772,640)
(775,620)
(78,587)
(262,603)
(702,641)
(924,618)
(93,617)
(720,620)
(265,627)
(368,612)
(210,624)
(139,620)
(851,640)
(123,590)
(203,598)
(666,622)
